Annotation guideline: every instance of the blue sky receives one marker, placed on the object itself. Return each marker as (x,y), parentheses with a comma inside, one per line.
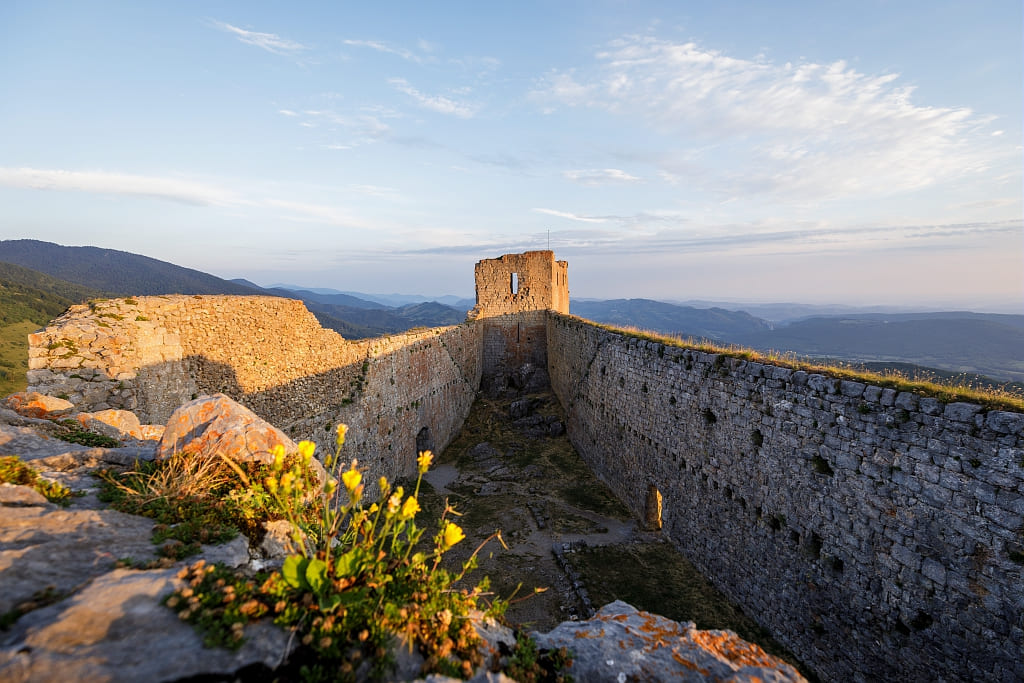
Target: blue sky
(857,152)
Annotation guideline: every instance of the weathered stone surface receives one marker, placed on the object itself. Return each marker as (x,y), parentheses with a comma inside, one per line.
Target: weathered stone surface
(115,629)
(35,404)
(48,546)
(9,417)
(278,542)
(1005,423)
(29,443)
(21,496)
(620,643)
(88,459)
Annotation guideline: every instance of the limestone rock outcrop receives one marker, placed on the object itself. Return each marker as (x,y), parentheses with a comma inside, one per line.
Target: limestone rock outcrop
(620,643)
(37,405)
(115,629)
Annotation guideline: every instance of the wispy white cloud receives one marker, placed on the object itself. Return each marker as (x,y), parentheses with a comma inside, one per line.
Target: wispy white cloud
(807,129)
(187,191)
(179,190)
(271,42)
(402,52)
(287,112)
(438,103)
(601,176)
(570,216)
(737,239)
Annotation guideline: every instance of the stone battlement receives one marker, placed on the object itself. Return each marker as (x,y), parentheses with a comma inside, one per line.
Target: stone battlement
(878,534)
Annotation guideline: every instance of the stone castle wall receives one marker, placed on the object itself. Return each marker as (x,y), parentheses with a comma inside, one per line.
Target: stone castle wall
(876,533)
(151,354)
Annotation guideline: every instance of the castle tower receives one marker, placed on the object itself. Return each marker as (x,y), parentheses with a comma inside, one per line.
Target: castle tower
(513,295)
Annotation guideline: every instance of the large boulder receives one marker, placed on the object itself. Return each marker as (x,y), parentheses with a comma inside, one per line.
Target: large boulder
(34,404)
(620,643)
(216,424)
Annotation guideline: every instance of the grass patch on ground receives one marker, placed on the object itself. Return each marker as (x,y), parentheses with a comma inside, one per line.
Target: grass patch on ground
(14,471)
(655,578)
(194,501)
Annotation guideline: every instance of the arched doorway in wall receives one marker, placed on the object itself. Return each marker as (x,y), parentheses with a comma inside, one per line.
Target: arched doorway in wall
(424,441)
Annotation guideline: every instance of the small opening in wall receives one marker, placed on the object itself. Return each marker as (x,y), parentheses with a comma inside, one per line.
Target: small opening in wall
(515,283)
(652,509)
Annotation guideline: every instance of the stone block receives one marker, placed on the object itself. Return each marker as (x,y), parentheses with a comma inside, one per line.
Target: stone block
(930,406)
(961,412)
(851,388)
(1003,422)
(907,401)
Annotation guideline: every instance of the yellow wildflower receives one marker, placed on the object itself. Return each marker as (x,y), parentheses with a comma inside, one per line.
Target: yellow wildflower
(452,534)
(424,460)
(306,449)
(330,486)
(278,452)
(272,484)
(409,508)
(342,429)
(286,481)
(351,478)
(383,484)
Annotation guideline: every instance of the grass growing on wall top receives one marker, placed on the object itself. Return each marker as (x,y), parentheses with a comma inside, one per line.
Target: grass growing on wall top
(994,399)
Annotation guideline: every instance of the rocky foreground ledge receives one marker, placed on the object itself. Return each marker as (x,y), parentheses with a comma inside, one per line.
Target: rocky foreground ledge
(85,616)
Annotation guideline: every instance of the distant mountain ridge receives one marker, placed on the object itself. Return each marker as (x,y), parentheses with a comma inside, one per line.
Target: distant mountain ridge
(385,300)
(114,272)
(989,344)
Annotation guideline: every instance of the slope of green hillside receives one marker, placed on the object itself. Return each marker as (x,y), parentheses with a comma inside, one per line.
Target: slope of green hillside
(26,294)
(28,300)
(14,356)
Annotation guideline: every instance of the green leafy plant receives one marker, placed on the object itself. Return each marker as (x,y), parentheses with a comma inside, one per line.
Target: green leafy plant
(358,578)
(14,471)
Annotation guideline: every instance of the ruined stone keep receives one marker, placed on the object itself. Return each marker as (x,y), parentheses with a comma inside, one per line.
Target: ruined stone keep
(876,533)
